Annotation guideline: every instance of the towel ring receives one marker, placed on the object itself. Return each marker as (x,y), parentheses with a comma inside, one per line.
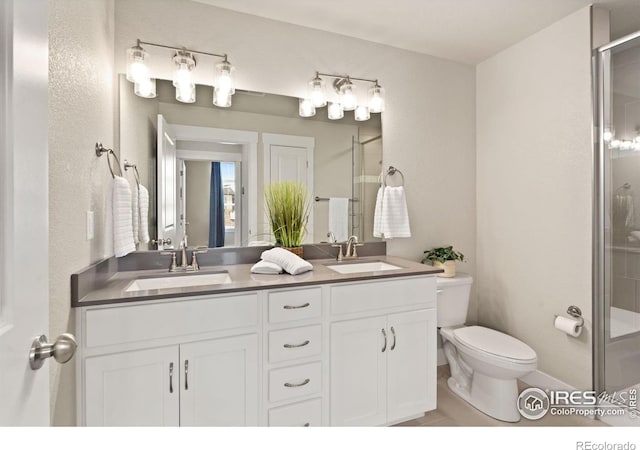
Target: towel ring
(100,149)
(391,171)
(136,175)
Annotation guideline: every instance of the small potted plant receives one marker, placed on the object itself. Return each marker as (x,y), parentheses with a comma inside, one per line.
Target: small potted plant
(287,206)
(443,258)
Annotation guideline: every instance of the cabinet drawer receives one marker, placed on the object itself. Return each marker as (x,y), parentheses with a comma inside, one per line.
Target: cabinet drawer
(295,343)
(295,304)
(383,294)
(303,414)
(124,324)
(296,381)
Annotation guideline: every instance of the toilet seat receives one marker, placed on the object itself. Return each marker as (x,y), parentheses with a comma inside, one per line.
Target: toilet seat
(486,341)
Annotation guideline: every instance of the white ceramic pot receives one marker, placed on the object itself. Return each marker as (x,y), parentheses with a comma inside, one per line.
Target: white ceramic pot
(449,268)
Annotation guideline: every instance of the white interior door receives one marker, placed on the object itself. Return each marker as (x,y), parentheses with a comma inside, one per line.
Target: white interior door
(290,158)
(167,184)
(24,289)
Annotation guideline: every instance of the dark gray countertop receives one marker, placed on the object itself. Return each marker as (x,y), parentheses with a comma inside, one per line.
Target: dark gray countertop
(113,290)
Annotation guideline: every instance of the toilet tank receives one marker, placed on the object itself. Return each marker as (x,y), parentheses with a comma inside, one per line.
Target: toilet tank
(453,299)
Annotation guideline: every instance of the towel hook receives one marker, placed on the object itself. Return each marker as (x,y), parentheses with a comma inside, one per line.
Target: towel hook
(100,149)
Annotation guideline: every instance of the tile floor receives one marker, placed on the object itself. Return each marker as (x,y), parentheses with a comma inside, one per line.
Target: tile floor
(453,411)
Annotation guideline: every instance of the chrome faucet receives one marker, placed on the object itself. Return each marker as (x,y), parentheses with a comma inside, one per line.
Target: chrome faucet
(183,255)
(194,266)
(350,251)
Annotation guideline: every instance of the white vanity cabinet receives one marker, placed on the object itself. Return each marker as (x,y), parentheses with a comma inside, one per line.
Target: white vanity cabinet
(383,362)
(208,376)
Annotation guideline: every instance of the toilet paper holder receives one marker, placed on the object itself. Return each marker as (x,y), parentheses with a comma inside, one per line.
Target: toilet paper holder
(574,312)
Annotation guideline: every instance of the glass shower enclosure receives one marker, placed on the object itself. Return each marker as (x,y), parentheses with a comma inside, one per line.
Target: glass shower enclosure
(616,331)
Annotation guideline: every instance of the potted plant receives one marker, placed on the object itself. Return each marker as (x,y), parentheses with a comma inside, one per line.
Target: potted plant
(444,258)
(287,206)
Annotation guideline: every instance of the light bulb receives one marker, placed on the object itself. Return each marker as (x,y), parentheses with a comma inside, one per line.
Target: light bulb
(137,69)
(316,92)
(362,113)
(186,93)
(335,111)
(348,98)
(224,78)
(146,88)
(306,108)
(376,99)
(607,135)
(221,98)
(184,63)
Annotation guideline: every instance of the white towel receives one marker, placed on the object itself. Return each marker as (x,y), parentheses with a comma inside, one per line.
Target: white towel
(291,263)
(122,223)
(339,218)
(143,205)
(135,210)
(266,267)
(377,214)
(393,213)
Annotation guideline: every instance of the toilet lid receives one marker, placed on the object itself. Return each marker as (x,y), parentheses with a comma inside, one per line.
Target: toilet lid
(494,342)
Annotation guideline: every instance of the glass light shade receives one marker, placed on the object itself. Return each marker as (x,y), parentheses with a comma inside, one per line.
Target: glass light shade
(221,98)
(362,113)
(608,134)
(316,92)
(615,143)
(137,69)
(376,99)
(306,108)
(186,94)
(348,98)
(626,145)
(183,65)
(224,81)
(146,88)
(335,111)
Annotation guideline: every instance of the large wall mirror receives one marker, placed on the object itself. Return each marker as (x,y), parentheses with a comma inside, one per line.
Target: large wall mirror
(188,155)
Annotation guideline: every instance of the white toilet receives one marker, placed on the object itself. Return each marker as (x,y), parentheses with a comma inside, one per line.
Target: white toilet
(485,364)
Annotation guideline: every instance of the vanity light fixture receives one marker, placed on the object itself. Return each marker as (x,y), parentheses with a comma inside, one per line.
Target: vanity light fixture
(347,99)
(184,65)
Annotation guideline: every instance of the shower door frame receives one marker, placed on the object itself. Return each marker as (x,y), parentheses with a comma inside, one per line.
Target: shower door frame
(600,311)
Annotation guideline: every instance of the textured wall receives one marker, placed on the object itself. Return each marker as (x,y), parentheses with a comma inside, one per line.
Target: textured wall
(534,171)
(81,112)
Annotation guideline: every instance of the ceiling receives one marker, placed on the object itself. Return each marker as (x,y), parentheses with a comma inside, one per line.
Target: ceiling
(468,31)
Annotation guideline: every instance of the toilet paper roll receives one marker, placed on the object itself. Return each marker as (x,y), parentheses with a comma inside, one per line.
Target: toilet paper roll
(567,325)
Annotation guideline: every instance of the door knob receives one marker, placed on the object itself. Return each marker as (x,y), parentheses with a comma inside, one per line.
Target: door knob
(62,350)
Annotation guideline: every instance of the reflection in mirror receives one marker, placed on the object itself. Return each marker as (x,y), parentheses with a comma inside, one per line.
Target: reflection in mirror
(205,166)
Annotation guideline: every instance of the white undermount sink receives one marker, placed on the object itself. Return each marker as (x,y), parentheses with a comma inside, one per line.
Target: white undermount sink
(179,281)
(359,267)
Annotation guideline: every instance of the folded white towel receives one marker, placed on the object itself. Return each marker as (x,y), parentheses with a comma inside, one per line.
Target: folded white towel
(266,267)
(395,218)
(135,210)
(377,214)
(122,223)
(291,263)
(339,218)
(143,205)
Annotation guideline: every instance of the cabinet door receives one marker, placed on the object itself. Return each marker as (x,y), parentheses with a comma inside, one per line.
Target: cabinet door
(411,363)
(219,382)
(358,372)
(137,388)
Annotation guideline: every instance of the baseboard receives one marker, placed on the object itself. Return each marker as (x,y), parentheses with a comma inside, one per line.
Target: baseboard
(543,380)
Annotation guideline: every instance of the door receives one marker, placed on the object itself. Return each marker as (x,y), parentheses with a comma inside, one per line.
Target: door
(219,382)
(24,290)
(138,388)
(358,372)
(290,158)
(167,185)
(411,364)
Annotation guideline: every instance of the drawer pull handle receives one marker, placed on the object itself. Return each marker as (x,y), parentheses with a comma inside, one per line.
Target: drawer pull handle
(170,378)
(297,345)
(384,333)
(186,375)
(297,384)
(393,346)
(306,424)
(297,306)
